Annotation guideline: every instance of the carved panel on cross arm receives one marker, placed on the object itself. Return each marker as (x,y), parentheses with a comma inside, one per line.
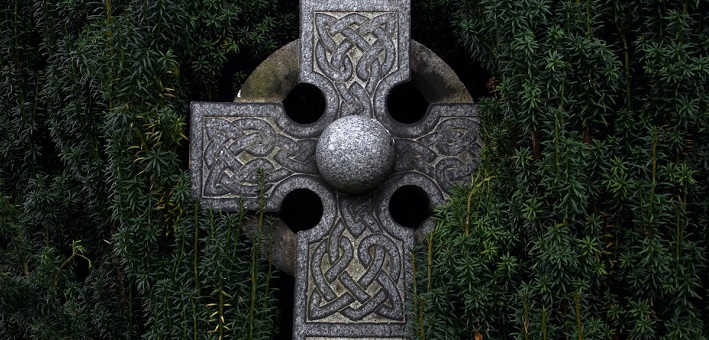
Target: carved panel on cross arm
(235,143)
(357,271)
(355,51)
(447,151)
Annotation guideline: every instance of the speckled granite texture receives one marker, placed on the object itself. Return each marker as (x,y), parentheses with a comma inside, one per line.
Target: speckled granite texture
(355,154)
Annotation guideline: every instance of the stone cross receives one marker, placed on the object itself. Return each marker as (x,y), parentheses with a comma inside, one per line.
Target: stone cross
(353,267)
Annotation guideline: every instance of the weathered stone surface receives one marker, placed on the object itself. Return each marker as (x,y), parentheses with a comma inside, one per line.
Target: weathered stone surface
(355,51)
(430,75)
(231,142)
(273,78)
(353,267)
(434,78)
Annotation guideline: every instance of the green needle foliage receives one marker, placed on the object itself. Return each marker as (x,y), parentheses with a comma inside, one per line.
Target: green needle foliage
(588,218)
(99,235)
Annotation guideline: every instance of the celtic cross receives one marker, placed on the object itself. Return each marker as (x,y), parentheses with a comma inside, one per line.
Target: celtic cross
(353,267)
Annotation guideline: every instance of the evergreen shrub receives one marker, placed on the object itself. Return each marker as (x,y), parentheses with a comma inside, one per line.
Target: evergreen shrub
(588,217)
(99,235)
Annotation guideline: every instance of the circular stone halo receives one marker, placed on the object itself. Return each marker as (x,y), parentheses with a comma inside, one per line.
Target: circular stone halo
(355,154)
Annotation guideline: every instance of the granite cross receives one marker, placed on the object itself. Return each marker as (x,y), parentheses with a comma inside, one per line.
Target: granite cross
(353,266)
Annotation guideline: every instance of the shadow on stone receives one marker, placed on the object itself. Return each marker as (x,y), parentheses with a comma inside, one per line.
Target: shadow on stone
(301,209)
(305,104)
(410,206)
(285,286)
(406,104)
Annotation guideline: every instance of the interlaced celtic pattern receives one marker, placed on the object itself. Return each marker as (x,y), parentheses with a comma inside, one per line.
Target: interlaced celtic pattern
(356,52)
(235,149)
(447,154)
(375,291)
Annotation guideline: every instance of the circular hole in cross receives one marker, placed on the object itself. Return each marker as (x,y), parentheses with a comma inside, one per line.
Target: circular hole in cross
(301,209)
(406,104)
(305,104)
(410,206)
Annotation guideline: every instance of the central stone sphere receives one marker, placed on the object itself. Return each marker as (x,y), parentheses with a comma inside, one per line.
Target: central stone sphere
(355,154)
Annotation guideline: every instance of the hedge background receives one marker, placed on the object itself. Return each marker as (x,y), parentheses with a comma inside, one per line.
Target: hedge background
(587,218)
(99,235)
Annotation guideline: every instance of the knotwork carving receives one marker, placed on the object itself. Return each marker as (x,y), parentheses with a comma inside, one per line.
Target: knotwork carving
(235,148)
(356,287)
(446,154)
(356,52)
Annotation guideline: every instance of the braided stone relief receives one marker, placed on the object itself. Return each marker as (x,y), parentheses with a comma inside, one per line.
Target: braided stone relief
(355,51)
(237,141)
(375,257)
(352,268)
